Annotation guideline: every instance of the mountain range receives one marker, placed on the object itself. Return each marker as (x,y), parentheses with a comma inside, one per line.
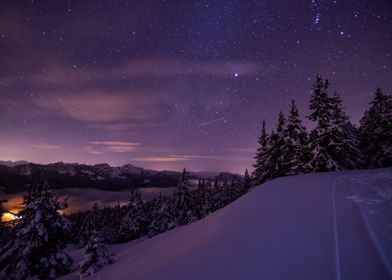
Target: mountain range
(16,176)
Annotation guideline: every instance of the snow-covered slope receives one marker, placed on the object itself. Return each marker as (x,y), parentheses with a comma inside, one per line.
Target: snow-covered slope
(316,226)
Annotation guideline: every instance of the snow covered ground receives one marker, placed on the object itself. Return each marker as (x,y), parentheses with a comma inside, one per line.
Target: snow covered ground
(316,226)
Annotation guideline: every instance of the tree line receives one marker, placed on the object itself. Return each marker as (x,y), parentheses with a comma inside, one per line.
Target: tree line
(333,144)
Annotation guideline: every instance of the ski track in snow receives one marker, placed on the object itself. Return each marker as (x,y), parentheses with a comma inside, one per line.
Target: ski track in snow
(373,194)
(337,258)
(357,255)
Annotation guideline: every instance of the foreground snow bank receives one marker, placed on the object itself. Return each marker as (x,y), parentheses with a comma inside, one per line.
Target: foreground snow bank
(316,226)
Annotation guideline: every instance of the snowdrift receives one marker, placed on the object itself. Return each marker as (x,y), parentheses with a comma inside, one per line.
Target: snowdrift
(316,226)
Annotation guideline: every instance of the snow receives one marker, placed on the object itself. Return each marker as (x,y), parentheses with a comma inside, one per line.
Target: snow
(10,163)
(316,226)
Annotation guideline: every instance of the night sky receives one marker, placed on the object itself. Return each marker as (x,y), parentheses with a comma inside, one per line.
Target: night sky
(167,84)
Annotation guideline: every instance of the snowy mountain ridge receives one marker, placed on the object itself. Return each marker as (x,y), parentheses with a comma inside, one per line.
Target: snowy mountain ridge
(64,175)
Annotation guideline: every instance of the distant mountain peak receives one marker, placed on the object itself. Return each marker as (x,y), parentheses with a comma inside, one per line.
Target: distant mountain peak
(10,163)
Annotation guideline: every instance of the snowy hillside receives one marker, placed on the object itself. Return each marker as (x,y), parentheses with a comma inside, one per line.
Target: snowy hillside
(316,226)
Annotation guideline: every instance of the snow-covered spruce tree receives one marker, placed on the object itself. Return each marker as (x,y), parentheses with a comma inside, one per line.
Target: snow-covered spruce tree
(260,171)
(247,182)
(208,204)
(275,158)
(294,155)
(95,256)
(181,200)
(375,132)
(90,223)
(218,195)
(36,250)
(111,222)
(136,221)
(198,200)
(346,142)
(269,157)
(322,144)
(161,217)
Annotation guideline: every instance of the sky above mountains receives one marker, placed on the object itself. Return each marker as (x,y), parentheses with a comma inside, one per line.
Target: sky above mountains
(168,84)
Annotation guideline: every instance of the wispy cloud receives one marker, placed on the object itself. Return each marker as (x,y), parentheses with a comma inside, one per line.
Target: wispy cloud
(45,146)
(101,147)
(56,76)
(102,106)
(171,158)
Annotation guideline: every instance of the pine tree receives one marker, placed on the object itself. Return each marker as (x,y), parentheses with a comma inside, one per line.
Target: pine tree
(96,255)
(247,182)
(322,142)
(320,106)
(269,157)
(135,223)
(182,201)
(346,143)
(198,200)
(91,222)
(35,252)
(112,218)
(208,204)
(161,217)
(294,156)
(259,174)
(375,132)
(275,157)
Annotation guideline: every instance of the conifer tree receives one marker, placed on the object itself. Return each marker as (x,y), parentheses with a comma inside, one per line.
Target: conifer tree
(320,107)
(161,216)
(260,172)
(375,131)
(346,143)
(294,159)
(182,201)
(112,218)
(247,181)
(35,252)
(198,199)
(321,145)
(135,223)
(208,199)
(96,255)
(269,157)
(92,222)
(275,157)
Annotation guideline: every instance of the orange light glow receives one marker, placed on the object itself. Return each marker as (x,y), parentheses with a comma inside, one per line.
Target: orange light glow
(9,216)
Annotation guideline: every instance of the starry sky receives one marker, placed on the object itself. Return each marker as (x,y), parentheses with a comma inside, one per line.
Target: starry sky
(168,84)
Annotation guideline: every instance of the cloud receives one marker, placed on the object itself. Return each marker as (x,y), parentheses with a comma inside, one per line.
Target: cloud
(158,159)
(100,106)
(101,147)
(171,158)
(92,150)
(117,128)
(45,146)
(57,75)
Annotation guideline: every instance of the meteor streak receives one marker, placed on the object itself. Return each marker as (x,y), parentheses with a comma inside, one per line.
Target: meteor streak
(213,121)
